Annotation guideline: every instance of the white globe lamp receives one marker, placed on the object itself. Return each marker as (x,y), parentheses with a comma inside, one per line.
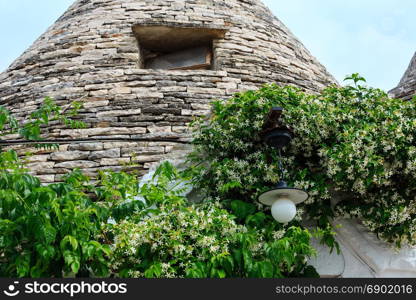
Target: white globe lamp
(283,201)
(283,210)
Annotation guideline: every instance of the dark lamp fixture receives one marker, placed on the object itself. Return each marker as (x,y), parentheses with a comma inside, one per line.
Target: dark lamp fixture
(282,199)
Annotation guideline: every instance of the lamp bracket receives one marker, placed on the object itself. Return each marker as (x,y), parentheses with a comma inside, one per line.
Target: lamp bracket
(274,133)
(282,185)
(278,138)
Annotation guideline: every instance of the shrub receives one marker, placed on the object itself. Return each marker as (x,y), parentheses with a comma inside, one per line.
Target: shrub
(352,141)
(173,238)
(47,231)
(53,231)
(352,144)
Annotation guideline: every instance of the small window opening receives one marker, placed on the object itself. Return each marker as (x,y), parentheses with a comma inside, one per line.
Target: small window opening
(176,48)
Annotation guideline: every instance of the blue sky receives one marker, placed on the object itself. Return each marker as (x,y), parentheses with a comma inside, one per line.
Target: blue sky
(22,22)
(373,37)
(376,38)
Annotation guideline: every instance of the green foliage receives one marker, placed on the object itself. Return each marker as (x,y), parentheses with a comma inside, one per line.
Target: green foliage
(51,231)
(56,230)
(47,113)
(116,193)
(47,231)
(172,238)
(353,143)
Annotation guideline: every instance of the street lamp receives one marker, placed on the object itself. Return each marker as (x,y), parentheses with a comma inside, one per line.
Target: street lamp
(282,199)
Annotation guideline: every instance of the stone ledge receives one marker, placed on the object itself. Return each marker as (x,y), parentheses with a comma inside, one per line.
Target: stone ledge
(378,256)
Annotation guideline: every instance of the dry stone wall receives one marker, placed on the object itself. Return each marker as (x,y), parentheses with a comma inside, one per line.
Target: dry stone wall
(407,86)
(91,53)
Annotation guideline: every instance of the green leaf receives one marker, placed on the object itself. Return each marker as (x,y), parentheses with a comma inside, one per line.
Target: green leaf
(36,272)
(75,266)
(69,240)
(49,233)
(23,264)
(266,269)
(256,220)
(197,270)
(310,272)
(242,209)
(155,271)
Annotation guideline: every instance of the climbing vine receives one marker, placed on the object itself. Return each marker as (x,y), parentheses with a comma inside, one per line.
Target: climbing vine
(353,148)
(353,151)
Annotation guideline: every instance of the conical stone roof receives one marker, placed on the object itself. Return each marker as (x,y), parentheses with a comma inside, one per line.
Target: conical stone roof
(407,86)
(98,51)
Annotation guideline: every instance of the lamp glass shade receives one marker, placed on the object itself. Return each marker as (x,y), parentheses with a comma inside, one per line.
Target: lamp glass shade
(283,210)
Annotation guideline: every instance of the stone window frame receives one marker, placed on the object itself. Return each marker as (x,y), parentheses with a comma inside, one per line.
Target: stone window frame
(170,37)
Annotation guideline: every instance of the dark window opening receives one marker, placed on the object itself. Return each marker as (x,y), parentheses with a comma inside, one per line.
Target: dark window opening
(177,48)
